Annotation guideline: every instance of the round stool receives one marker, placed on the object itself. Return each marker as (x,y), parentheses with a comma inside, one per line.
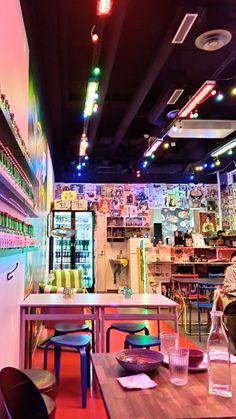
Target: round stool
(130,328)
(64,328)
(44,380)
(82,344)
(141,341)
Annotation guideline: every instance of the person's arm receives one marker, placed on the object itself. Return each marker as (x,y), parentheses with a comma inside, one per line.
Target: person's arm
(230,280)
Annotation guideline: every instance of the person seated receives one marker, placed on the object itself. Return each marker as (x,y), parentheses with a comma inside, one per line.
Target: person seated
(229,285)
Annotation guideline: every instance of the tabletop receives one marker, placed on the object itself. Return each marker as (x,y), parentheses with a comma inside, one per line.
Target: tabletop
(97,300)
(165,400)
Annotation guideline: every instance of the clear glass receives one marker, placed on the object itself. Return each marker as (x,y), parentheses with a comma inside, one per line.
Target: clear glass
(178,366)
(168,340)
(219,370)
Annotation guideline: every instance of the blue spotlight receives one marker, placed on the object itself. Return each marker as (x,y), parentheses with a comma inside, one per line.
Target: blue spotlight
(86,158)
(219,97)
(205,165)
(79,166)
(212,165)
(191,177)
(79,174)
(144,164)
(83,164)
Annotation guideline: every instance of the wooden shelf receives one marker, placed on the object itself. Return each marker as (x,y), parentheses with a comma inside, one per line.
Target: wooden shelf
(14,198)
(10,139)
(17,251)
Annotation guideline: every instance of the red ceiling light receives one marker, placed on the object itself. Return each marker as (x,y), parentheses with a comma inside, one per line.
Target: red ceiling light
(152,146)
(104,7)
(202,94)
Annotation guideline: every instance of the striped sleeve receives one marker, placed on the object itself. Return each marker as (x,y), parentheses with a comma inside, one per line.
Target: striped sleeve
(230,280)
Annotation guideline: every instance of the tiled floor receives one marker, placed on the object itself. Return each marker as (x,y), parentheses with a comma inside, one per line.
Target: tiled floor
(69,392)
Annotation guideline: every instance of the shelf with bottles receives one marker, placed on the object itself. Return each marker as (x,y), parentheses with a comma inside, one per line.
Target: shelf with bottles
(14,233)
(121,228)
(12,139)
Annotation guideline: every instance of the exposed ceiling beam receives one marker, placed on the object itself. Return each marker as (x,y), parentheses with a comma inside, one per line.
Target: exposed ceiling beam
(114,37)
(160,104)
(160,58)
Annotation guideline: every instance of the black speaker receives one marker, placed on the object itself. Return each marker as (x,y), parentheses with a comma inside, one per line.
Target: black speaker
(157,232)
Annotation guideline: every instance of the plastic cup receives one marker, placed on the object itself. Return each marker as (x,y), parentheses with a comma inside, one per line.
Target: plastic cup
(178,366)
(168,340)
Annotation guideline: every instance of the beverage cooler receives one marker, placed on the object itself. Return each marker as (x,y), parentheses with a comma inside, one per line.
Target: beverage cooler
(74,247)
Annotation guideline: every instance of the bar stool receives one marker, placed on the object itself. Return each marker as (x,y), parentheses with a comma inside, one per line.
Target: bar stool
(65,328)
(141,341)
(130,328)
(44,380)
(82,344)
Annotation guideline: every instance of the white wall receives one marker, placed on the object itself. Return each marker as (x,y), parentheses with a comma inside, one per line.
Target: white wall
(11,294)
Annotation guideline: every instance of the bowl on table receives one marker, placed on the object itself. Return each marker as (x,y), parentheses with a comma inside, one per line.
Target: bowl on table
(139,360)
(195,357)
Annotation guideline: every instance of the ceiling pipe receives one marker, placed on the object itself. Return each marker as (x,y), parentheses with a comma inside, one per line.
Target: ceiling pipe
(114,37)
(162,54)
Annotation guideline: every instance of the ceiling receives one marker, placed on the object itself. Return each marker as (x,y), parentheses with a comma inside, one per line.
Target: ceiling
(140,69)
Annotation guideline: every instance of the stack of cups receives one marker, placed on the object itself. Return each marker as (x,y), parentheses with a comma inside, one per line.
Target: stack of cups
(176,357)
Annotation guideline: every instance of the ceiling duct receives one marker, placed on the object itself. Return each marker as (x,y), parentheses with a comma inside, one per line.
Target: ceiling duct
(184,28)
(175,96)
(213,40)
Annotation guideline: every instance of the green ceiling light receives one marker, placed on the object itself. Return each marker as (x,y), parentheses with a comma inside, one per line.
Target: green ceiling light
(90,97)
(224,148)
(152,156)
(96,71)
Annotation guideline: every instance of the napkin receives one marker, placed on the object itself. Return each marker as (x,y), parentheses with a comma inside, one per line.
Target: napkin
(141,381)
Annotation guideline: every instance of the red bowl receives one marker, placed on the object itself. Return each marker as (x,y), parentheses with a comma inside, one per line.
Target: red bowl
(195,357)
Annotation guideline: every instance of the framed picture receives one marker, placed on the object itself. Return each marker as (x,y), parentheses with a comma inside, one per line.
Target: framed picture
(207,223)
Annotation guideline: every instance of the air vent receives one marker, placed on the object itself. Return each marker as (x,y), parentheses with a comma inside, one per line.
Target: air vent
(213,40)
(175,96)
(184,28)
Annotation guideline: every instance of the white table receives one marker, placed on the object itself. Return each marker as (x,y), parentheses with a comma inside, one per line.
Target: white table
(137,301)
(98,303)
(38,301)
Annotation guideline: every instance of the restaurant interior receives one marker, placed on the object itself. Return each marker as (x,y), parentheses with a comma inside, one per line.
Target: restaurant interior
(117,209)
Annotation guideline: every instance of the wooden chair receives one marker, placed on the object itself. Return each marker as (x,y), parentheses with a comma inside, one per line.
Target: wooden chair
(21,397)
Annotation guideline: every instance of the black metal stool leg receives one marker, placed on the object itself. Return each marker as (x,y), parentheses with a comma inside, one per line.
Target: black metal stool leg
(88,364)
(146,331)
(57,361)
(83,376)
(108,339)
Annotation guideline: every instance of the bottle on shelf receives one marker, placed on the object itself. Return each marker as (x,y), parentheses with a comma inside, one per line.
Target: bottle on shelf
(218,353)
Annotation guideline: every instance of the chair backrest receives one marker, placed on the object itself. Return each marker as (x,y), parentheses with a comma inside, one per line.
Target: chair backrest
(67,278)
(21,397)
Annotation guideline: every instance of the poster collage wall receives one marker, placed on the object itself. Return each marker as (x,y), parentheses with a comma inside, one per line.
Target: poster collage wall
(228,201)
(136,200)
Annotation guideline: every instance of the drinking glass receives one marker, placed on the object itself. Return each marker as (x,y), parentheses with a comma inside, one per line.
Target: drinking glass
(178,366)
(168,340)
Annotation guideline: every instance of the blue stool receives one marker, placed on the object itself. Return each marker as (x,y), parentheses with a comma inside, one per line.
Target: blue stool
(82,344)
(130,328)
(65,328)
(141,341)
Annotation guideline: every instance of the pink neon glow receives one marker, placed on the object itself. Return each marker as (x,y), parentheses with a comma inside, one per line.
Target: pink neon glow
(153,148)
(14,66)
(199,96)
(104,7)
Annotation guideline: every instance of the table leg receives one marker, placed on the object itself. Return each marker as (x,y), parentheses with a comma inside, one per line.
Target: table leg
(22,338)
(158,322)
(102,329)
(97,329)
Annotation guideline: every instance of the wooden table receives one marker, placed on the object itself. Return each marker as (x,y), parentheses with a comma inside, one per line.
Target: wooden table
(164,401)
(98,304)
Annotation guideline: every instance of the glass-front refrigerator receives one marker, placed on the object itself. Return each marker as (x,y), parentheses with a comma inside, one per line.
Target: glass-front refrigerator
(84,245)
(72,243)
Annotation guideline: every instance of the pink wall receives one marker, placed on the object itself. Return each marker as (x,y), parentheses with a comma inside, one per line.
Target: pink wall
(14,62)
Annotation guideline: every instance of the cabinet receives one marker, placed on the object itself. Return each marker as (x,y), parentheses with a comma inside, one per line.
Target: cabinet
(122,228)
